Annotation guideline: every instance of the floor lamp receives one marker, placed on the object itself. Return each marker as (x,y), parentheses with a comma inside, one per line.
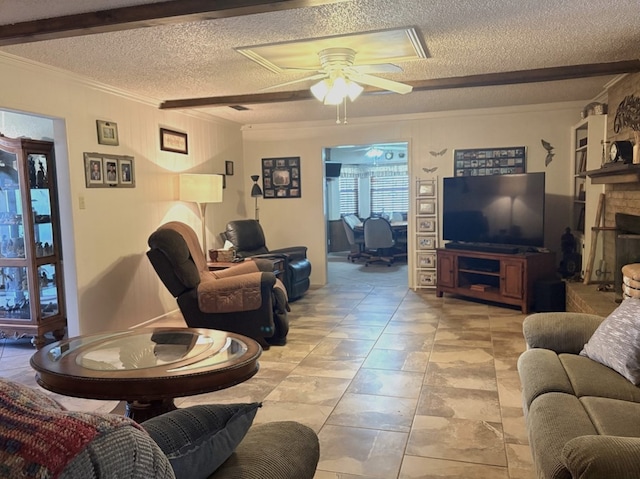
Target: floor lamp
(256,193)
(201,189)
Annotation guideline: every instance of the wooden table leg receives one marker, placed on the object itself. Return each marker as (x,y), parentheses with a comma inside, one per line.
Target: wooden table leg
(140,411)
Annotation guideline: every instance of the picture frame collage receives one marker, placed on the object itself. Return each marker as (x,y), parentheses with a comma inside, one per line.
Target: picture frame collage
(426,233)
(490,161)
(281,177)
(109,171)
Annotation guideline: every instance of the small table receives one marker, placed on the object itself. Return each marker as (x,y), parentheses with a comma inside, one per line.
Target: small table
(148,367)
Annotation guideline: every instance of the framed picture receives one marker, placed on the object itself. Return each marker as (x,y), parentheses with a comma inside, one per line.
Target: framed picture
(490,161)
(125,170)
(426,207)
(93,172)
(426,260)
(108,171)
(281,177)
(228,168)
(107,133)
(426,225)
(426,242)
(426,188)
(426,278)
(174,141)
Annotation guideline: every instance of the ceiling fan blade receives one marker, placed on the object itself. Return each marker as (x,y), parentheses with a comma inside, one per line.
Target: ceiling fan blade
(376,68)
(317,76)
(382,83)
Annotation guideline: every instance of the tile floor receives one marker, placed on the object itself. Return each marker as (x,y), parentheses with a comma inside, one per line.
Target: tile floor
(397,384)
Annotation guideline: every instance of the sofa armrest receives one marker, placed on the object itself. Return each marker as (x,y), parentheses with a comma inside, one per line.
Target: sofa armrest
(560,332)
(595,457)
(243,267)
(233,294)
(293,252)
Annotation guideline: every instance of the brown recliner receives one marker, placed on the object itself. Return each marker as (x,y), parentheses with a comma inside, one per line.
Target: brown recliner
(246,299)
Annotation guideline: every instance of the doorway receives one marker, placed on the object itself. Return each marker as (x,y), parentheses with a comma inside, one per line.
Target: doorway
(364,180)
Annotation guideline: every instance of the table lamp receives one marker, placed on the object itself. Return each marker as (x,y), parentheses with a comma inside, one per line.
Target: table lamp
(256,192)
(201,189)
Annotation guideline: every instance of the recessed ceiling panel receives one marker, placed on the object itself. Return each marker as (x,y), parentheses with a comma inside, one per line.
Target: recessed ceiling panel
(383,46)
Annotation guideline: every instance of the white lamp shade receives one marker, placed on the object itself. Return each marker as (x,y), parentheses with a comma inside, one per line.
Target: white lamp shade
(201,188)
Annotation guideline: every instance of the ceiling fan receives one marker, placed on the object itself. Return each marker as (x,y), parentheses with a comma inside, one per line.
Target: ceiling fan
(340,78)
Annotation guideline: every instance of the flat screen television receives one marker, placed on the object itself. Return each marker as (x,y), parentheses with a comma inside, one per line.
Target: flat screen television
(332,170)
(494,210)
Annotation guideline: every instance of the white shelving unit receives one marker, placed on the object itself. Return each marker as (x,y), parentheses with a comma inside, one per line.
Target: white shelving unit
(426,233)
(587,138)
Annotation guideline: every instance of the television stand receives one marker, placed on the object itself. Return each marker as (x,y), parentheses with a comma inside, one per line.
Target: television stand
(498,277)
(486,247)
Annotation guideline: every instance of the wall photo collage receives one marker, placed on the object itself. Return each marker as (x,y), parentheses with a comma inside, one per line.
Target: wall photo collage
(490,161)
(281,177)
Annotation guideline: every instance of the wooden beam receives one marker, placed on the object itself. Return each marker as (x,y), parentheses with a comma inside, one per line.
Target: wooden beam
(141,16)
(487,79)
(570,72)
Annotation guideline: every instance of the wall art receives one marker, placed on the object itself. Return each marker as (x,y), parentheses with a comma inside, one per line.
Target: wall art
(174,141)
(490,161)
(107,133)
(108,171)
(281,177)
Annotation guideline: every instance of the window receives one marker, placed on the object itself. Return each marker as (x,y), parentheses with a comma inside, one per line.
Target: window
(389,193)
(348,196)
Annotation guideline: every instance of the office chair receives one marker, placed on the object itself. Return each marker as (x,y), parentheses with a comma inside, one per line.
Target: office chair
(378,241)
(355,239)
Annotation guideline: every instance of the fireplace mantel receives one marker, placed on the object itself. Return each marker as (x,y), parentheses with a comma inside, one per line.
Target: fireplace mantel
(615,173)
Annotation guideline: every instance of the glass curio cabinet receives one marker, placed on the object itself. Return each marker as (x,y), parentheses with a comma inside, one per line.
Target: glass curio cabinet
(31,284)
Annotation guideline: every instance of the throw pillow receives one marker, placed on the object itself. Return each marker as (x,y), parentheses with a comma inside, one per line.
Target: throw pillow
(198,439)
(39,438)
(616,342)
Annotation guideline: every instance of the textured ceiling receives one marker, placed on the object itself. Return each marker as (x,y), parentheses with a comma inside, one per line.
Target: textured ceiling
(460,37)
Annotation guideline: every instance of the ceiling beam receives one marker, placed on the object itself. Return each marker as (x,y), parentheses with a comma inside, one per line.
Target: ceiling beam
(141,16)
(486,79)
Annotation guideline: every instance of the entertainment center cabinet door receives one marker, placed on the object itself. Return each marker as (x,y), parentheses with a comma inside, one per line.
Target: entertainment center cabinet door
(512,278)
(446,270)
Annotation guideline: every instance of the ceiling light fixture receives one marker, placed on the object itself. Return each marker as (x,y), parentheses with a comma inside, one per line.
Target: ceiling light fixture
(336,89)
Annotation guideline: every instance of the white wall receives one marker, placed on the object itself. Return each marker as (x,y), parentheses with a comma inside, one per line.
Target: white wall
(301,221)
(110,283)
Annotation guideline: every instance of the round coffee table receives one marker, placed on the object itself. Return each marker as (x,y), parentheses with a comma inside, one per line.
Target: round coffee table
(148,367)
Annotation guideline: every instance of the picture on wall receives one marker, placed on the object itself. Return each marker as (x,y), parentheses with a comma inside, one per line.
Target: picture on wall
(107,133)
(108,171)
(490,161)
(281,177)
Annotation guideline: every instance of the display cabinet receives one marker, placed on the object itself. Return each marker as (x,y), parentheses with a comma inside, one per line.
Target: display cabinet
(31,285)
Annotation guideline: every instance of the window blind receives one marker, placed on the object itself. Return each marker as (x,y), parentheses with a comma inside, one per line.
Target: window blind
(348,196)
(389,194)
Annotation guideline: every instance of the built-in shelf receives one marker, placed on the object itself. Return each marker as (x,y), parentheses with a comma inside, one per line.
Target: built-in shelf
(615,173)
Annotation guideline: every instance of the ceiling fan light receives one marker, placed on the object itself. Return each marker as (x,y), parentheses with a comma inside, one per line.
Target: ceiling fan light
(320,89)
(354,90)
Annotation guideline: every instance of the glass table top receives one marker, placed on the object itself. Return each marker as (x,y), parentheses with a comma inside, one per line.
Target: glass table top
(173,350)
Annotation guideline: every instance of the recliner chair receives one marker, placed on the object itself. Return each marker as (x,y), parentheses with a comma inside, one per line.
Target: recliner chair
(248,238)
(246,299)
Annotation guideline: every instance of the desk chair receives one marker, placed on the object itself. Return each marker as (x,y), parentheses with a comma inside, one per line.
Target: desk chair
(355,239)
(378,240)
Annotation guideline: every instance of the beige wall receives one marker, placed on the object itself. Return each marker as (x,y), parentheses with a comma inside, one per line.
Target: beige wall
(301,221)
(110,283)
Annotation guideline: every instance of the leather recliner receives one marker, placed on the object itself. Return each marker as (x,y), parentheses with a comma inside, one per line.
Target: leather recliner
(246,299)
(248,238)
